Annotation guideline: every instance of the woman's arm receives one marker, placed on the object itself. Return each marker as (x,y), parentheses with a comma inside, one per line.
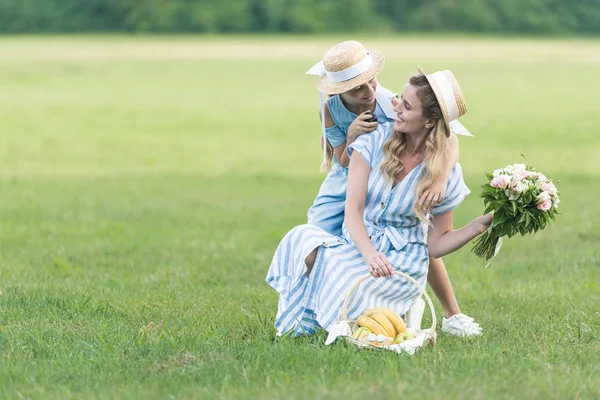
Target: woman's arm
(442,239)
(356,195)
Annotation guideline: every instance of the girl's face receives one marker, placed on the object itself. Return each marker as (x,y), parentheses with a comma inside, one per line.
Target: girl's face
(409,112)
(363,95)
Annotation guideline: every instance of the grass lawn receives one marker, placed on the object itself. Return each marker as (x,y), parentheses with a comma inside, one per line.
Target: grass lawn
(145,184)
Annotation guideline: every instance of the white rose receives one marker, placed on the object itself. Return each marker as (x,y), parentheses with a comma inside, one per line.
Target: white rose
(521,187)
(507,178)
(538,185)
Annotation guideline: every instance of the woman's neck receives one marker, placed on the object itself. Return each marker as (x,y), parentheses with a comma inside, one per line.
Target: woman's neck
(415,143)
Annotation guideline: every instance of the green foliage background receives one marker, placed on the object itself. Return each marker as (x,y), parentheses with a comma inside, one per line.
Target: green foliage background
(301,16)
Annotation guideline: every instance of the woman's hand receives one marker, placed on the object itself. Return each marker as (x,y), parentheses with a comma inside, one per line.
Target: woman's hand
(434,195)
(481,224)
(360,126)
(379,265)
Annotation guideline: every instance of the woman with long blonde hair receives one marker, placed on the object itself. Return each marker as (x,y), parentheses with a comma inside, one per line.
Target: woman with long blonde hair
(385,228)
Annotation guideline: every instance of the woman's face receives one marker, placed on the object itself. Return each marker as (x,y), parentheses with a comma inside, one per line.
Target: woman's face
(362,95)
(409,112)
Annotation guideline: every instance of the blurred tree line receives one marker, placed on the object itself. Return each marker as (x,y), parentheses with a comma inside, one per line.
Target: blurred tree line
(301,16)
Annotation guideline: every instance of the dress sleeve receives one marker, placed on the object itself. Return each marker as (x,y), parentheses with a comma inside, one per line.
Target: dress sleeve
(335,135)
(370,145)
(456,191)
(365,146)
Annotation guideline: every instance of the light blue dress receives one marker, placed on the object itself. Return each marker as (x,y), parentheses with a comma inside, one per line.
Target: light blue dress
(327,211)
(308,303)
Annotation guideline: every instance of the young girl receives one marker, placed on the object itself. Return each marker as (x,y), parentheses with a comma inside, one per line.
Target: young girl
(357,105)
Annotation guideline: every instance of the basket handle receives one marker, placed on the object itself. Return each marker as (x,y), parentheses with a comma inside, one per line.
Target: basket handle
(344,310)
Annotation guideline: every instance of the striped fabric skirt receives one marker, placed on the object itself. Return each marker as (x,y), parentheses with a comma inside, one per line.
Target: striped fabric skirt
(309,303)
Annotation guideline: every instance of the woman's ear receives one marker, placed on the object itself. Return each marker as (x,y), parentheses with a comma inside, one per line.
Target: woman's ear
(429,123)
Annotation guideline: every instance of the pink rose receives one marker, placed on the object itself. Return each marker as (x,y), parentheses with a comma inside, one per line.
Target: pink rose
(544,202)
(545,205)
(498,182)
(525,174)
(549,187)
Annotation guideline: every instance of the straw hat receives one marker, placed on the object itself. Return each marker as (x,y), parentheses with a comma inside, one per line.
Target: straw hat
(450,97)
(346,66)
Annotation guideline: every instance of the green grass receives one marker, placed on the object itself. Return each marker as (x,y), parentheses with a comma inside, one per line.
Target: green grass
(151,180)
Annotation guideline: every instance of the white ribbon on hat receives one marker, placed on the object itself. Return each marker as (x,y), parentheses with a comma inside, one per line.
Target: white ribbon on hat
(459,128)
(384,99)
(345,74)
(448,97)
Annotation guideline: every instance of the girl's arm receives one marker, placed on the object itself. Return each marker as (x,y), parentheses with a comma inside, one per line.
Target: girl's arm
(340,150)
(433,196)
(442,239)
(356,128)
(356,195)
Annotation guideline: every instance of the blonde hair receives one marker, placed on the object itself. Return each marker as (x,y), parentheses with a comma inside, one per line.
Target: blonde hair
(326,164)
(436,145)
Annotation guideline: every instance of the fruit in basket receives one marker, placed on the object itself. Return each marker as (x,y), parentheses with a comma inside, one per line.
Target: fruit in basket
(403,337)
(392,317)
(384,322)
(370,323)
(361,331)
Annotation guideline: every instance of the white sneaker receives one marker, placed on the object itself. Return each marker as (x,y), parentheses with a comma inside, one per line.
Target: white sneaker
(461,325)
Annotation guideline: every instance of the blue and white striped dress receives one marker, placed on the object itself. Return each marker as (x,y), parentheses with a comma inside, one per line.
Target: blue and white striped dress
(308,303)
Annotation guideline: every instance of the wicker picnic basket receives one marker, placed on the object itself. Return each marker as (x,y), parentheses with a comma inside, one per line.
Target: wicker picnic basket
(344,327)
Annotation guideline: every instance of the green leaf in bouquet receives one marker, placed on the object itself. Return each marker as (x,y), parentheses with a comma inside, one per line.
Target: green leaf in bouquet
(489,176)
(499,216)
(511,230)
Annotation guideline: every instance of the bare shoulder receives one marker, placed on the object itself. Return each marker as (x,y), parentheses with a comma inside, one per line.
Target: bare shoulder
(328,119)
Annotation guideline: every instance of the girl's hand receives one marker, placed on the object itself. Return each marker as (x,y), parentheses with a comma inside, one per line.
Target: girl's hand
(379,265)
(434,195)
(360,125)
(481,224)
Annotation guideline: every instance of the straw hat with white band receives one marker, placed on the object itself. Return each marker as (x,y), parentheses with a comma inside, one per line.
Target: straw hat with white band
(451,98)
(346,66)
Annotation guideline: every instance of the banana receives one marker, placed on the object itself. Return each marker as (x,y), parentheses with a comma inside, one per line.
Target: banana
(370,323)
(399,325)
(361,331)
(385,323)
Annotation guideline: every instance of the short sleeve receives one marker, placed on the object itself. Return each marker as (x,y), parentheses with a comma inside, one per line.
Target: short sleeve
(364,145)
(335,135)
(456,192)
(370,145)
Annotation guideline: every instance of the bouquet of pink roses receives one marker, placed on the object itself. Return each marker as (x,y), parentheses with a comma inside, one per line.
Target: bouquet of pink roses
(523,201)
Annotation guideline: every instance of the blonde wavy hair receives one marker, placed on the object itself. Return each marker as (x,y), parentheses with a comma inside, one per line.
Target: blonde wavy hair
(329,152)
(436,145)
